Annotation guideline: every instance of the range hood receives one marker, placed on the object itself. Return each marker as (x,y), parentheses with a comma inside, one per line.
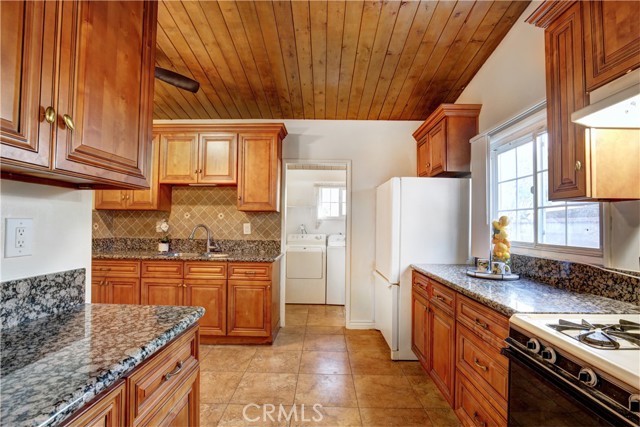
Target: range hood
(615,105)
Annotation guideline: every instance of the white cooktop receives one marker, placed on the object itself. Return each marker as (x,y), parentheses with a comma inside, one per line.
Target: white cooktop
(623,365)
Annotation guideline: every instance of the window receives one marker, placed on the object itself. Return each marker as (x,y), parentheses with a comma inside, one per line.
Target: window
(332,202)
(520,173)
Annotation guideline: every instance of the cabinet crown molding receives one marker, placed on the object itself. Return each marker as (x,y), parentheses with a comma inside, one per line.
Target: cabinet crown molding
(183,126)
(547,12)
(446,110)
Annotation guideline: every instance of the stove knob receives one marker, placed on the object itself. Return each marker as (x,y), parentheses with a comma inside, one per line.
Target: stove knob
(634,403)
(533,345)
(549,354)
(588,377)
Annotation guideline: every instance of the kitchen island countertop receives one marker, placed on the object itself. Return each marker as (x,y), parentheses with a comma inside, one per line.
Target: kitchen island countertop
(521,296)
(53,366)
(244,256)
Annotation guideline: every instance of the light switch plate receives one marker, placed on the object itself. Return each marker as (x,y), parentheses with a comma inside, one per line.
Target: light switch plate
(18,237)
(246,228)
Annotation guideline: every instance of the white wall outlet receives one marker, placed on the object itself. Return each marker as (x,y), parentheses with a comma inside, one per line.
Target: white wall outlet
(18,237)
(246,228)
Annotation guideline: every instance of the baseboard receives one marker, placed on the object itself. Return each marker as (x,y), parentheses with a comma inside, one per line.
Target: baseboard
(361,325)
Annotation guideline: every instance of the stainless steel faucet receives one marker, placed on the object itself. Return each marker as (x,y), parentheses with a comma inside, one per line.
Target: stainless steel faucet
(210,246)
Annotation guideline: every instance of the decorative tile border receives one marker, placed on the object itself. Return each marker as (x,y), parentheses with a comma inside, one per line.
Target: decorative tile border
(582,278)
(32,298)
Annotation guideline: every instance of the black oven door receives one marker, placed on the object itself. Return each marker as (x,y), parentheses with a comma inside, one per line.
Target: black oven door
(538,397)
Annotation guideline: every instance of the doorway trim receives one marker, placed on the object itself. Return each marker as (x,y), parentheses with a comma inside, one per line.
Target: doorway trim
(283,232)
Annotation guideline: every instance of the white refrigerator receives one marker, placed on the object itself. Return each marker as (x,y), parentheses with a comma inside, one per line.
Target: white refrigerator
(418,220)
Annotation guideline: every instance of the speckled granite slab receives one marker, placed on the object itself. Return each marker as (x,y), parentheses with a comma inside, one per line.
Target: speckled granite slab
(32,298)
(184,245)
(521,296)
(53,366)
(160,256)
(582,278)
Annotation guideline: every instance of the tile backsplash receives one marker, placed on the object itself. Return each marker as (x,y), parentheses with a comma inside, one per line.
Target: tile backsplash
(213,206)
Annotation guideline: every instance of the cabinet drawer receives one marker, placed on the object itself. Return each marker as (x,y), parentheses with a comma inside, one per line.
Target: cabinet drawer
(443,296)
(162,374)
(472,408)
(164,269)
(205,270)
(115,268)
(109,406)
(421,283)
(484,366)
(250,271)
(490,325)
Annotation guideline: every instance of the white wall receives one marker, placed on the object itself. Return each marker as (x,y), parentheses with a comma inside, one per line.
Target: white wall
(302,200)
(62,229)
(624,249)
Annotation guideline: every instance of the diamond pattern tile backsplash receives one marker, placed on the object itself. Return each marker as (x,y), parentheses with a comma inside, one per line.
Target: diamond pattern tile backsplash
(213,206)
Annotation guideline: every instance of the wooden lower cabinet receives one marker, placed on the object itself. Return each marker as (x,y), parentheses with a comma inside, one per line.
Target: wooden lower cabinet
(249,311)
(212,295)
(115,282)
(471,407)
(162,291)
(162,391)
(442,345)
(419,338)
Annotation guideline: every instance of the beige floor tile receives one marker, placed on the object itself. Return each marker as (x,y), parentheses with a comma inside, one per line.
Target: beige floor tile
(266,388)
(204,350)
(218,387)
(293,330)
(385,391)
(366,342)
(325,330)
(210,414)
(296,319)
(329,417)
(373,362)
(252,415)
(325,319)
(361,332)
(443,417)
(326,309)
(275,361)
(326,390)
(412,368)
(227,359)
(379,417)
(288,342)
(325,362)
(297,308)
(427,392)
(324,343)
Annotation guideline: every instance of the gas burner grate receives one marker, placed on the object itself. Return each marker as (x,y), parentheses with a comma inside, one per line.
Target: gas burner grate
(624,335)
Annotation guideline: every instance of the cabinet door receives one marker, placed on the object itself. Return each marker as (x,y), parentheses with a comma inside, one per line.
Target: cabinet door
(98,290)
(110,199)
(27,71)
(210,294)
(162,292)
(123,291)
(157,197)
(419,330)
(181,408)
(179,158)
(259,172)
(108,411)
(218,158)
(437,148)
(565,94)
(423,157)
(442,345)
(249,311)
(105,91)
(612,40)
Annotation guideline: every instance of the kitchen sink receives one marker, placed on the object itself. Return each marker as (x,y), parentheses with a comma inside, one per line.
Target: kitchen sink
(192,254)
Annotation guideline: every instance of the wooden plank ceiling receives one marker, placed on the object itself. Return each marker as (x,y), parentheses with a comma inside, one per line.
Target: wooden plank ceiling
(376,60)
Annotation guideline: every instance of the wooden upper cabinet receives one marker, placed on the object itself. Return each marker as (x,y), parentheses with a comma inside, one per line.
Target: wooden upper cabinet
(27,72)
(218,158)
(260,158)
(612,40)
(443,140)
(157,197)
(103,78)
(179,158)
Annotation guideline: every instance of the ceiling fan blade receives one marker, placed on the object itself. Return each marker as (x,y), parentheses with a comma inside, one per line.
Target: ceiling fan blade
(177,80)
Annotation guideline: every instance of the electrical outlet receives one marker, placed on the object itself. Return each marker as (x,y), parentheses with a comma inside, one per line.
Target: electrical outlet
(18,237)
(246,228)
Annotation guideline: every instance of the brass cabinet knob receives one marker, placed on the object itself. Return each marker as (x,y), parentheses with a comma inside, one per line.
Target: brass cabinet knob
(578,165)
(428,165)
(50,115)
(124,197)
(68,121)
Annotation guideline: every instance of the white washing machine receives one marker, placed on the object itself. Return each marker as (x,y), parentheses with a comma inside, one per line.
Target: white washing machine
(306,279)
(336,269)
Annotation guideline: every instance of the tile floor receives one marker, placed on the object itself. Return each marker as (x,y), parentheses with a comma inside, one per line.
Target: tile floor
(315,360)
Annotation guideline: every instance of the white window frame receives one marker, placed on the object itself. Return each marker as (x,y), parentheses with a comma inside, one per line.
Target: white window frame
(516,134)
(342,203)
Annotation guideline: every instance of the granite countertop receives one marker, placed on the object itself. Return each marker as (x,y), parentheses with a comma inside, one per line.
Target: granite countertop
(521,296)
(244,256)
(54,365)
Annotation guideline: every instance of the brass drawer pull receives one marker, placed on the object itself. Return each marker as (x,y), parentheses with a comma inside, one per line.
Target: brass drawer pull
(482,324)
(250,272)
(477,419)
(439,298)
(477,363)
(175,372)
